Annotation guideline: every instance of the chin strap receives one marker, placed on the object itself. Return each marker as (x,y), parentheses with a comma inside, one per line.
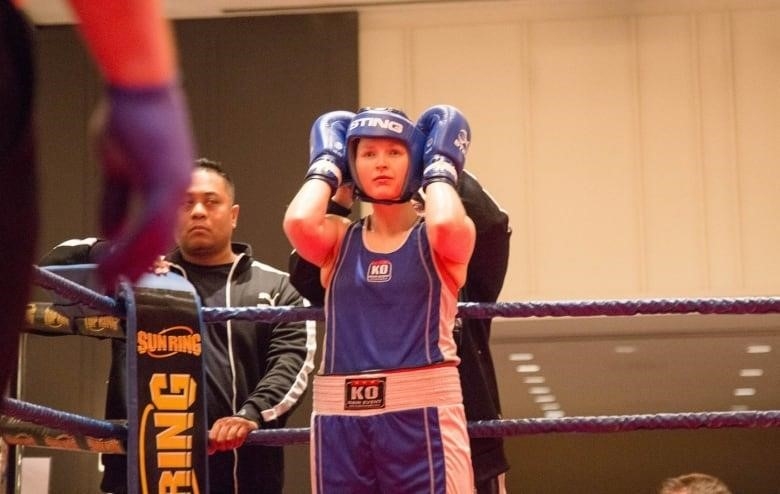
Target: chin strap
(406,197)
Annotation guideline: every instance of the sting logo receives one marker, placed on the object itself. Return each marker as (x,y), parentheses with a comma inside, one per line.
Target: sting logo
(379,271)
(382,123)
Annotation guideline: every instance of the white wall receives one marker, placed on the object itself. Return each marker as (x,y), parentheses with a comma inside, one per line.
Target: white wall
(634,144)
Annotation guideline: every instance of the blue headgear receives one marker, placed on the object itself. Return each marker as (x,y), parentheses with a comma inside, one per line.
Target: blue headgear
(393,124)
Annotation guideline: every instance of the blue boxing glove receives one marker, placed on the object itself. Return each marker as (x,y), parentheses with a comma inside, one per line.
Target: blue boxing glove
(447,138)
(328,149)
(144,143)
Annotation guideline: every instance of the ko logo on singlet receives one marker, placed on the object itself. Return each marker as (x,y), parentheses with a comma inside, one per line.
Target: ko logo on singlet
(364,394)
(379,271)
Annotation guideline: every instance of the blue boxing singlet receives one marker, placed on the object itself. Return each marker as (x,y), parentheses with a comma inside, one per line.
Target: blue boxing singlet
(387,310)
(387,407)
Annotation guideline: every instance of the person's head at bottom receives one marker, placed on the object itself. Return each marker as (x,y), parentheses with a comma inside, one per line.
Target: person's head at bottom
(694,483)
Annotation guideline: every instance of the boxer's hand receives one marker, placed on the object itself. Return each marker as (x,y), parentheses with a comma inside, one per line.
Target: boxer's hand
(328,149)
(345,195)
(144,143)
(229,433)
(448,136)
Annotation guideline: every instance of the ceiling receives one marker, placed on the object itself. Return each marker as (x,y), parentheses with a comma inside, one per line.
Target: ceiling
(594,365)
(57,11)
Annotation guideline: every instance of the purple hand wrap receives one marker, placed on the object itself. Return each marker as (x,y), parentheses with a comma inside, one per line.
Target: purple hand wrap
(145,145)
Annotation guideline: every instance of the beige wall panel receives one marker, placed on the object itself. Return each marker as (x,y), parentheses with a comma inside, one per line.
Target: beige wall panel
(583,159)
(756,40)
(488,86)
(719,161)
(672,190)
(382,65)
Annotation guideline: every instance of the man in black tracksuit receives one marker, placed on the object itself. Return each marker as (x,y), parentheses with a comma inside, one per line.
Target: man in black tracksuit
(255,372)
(486,272)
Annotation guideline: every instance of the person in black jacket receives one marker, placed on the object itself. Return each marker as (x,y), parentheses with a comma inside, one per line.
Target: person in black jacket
(255,372)
(486,272)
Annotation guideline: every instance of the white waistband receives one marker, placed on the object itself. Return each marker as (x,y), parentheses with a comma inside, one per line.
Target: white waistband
(378,392)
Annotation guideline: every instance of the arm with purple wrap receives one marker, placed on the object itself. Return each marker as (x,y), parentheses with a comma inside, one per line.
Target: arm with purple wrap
(142,130)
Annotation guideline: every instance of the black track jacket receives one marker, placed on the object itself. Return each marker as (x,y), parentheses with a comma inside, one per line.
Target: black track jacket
(267,363)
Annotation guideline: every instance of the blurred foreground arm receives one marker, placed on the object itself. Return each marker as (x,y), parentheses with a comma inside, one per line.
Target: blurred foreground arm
(142,130)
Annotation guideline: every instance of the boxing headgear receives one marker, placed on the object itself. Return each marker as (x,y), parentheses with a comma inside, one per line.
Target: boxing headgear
(392,124)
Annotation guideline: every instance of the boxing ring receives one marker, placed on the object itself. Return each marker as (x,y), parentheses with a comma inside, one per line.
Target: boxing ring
(166,425)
